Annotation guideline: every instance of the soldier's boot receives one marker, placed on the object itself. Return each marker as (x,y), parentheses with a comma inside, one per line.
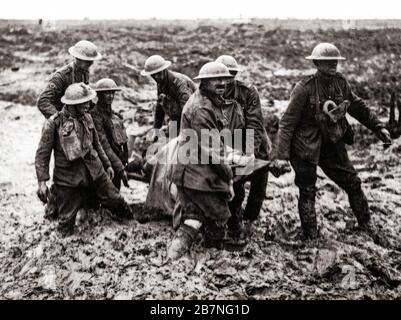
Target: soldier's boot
(65,227)
(360,208)
(235,225)
(214,233)
(51,210)
(182,241)
(307,214)
(235,236)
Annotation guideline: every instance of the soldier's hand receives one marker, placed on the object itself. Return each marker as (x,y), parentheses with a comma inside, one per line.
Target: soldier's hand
(43,191)
(231,193)
(110,173)
(384,136)
(124,178)
(279,167)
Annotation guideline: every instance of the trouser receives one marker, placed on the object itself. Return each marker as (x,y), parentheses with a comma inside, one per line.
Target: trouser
(335,163)
(235,205)
(92,198)
(71,199)
(210,208)
(257,194)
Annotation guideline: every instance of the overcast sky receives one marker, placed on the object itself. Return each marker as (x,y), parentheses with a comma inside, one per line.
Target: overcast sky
(190,9)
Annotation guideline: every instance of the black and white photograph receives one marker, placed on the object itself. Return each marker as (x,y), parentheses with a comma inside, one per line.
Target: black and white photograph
(201,151)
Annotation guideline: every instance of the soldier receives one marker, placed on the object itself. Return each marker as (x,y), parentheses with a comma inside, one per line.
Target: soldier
(79,160)
(84,53)
(173,90)
(110,129)
(248,98)
(204,190)
(313,131)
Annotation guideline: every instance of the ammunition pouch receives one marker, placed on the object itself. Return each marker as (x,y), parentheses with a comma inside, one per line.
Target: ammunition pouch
(69,141)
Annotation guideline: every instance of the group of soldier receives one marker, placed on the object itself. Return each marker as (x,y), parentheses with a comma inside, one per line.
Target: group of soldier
(91,154)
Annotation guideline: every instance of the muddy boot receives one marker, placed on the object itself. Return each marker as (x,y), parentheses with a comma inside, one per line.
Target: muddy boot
(182,242)
(359,206)
(235,226)
(307,214)
(214,234)
(66,229)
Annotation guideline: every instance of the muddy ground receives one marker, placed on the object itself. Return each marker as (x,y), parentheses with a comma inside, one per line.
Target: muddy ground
(111,260)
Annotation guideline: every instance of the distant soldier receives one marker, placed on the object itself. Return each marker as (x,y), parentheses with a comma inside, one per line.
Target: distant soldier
(79,161)
(204,190)
(49,101)
(173,90)
(248,98)
(110,129)
(314,130)
(84,53)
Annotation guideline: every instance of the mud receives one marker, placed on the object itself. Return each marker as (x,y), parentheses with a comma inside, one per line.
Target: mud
(106,259)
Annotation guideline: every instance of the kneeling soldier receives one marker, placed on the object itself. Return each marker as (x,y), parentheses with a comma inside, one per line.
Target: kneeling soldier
(79,160)
(204,187)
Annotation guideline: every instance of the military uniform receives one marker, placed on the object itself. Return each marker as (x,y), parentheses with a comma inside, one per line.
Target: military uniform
(172,95)
(112,137)
(49,103)
(248,98)
(49,100)
(203,188)
(78,167)
(301,140)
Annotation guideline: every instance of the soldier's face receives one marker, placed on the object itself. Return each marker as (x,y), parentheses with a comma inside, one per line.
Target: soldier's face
(83,64)
(108,97)
(216,86)
(78,110)
(81,108)
(160,76)
(327,67)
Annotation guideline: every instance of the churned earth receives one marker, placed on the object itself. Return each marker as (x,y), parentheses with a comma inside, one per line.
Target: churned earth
(106,259)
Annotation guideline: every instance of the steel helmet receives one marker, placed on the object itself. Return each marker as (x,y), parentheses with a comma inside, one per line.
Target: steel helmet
(229,62)
(155,64)
(85,50)
(78,93)
(213,70)
(106,84)
(325,51)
